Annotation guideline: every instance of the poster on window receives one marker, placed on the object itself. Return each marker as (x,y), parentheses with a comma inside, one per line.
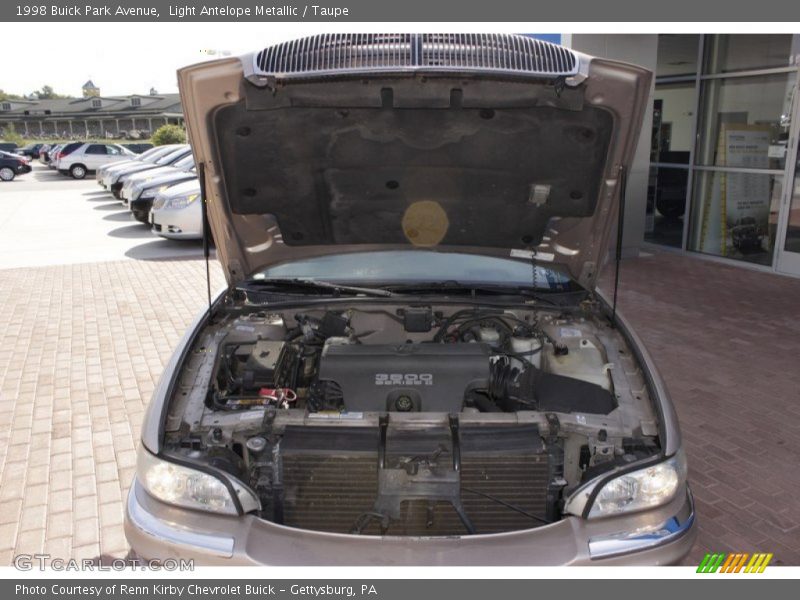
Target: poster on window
(736,212)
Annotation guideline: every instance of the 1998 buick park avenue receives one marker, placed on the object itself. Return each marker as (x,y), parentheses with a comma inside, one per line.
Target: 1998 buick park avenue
(411,363)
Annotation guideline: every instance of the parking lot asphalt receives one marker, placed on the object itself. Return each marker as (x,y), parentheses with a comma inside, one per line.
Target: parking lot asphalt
(47,218)
(92,306)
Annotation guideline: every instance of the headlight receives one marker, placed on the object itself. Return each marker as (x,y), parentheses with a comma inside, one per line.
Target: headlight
(181,201)
(151,192)
(632,491)
(190,488)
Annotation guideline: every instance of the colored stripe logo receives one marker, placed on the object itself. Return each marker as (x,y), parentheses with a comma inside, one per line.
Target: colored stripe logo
(735,562)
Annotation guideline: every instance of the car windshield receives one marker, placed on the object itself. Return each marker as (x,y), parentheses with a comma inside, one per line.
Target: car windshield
(185,163)
(168,159)
(157,153)
(419,266)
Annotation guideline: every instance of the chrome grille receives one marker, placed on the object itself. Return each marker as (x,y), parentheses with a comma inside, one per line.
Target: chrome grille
(372,52)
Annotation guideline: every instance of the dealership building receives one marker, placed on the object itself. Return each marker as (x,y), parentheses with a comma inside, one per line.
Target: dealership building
(716,171)
(92,116)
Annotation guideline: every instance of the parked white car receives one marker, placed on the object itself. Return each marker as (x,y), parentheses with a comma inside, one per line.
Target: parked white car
(177,212)
(90,157)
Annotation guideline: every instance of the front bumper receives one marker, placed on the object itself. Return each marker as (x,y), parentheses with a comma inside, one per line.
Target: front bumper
(23,168)
(181,224)
(159,531)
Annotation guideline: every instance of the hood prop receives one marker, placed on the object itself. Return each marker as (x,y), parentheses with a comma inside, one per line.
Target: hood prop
(623,180)
(201,177)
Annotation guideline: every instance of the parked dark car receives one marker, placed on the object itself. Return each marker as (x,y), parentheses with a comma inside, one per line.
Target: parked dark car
(12,165)
(31,150)
(8,147)
(746,235)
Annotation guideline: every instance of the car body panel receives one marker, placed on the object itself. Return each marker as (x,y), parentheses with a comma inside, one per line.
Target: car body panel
(247,205)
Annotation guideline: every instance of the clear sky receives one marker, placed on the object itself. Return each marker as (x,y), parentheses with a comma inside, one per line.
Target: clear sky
(130,58)
(123,58)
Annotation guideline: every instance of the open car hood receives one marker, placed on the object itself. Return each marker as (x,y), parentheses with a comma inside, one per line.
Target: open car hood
(490,144)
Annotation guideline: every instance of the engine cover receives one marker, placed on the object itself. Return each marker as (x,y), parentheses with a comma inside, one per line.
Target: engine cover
(405,377)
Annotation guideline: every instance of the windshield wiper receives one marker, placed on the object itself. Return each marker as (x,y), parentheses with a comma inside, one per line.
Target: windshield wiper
(314,284)
(477,289)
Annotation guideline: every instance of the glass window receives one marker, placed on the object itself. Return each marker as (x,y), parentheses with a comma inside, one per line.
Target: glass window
(673,114)
(742,52)
(744,121)
(677,55)
(407,266)
(666,204)
(185,163)
(735,215)
(793,225)
(96,149)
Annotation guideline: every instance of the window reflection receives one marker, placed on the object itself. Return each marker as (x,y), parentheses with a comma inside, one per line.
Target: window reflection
(741,52)
(745,121)
(735,215)
(673,114)
(666,204)
(793,224)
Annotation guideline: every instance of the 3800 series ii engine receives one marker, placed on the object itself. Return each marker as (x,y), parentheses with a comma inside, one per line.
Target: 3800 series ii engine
(404,377)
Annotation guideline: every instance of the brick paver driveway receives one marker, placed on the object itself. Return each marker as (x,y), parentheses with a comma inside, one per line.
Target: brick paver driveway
(82,345)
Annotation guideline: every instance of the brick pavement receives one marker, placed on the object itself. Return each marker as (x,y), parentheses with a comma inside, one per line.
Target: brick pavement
(727,342)
(82,346)
(81,349)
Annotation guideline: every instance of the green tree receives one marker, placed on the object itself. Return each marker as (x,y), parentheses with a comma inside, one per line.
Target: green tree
(169,134)
(10,134)
(47,93)
(7,96)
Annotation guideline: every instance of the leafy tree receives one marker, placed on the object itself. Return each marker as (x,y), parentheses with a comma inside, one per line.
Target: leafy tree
(47,93)
(169,134)
(7,96)
(10,134)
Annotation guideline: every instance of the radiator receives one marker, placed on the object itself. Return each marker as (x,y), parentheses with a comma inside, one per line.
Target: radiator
(330,481)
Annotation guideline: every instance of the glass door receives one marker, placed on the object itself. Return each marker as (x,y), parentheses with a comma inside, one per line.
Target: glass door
(788,239)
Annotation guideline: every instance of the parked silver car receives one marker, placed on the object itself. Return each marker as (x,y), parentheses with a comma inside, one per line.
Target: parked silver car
(113,179)
(411,363)
(148,156)
(177,212)
(135,184)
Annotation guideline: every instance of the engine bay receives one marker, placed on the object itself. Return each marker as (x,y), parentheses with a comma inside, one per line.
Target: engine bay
(386,419)
(484,360)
